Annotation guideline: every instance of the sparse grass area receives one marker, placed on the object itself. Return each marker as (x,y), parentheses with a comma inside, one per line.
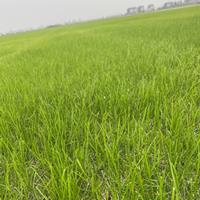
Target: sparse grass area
(102,110)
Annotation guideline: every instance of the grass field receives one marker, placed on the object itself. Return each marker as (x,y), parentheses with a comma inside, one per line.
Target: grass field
(102,110)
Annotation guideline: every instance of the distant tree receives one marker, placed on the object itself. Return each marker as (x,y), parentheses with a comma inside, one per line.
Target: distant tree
(191,1)
(131,11)
(140,9)
(151,7)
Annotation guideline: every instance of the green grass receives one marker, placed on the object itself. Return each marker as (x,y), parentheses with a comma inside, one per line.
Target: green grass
(102,110)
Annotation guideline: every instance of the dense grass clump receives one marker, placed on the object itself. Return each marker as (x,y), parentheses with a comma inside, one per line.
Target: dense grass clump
(102,110)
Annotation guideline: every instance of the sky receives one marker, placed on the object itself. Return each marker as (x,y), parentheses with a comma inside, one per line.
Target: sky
(21,15)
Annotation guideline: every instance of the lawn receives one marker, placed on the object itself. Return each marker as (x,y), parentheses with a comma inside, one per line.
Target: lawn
(103,110)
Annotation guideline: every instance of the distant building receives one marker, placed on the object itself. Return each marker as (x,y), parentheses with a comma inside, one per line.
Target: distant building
(150,7)
(131,11)
(172,4)
(140,9)
(167,5)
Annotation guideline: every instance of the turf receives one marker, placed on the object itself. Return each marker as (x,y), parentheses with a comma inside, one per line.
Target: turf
(102,110)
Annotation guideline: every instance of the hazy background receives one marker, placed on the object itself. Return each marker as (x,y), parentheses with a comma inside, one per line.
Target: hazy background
(18,15)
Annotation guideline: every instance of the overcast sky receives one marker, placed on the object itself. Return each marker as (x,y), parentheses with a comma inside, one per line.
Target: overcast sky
(25,14)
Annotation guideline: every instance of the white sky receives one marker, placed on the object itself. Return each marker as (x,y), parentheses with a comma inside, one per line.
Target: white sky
(18,15)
